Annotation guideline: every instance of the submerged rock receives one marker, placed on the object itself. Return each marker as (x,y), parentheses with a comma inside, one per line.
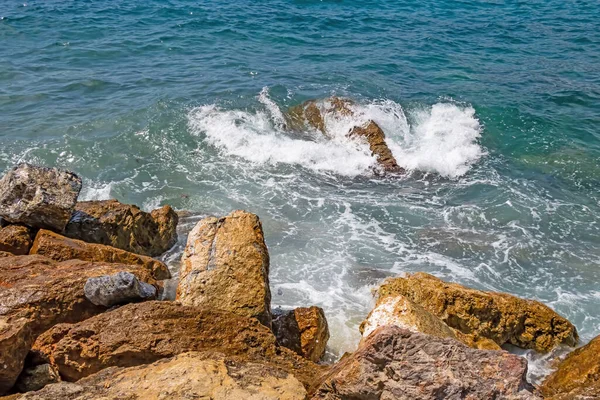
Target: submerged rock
(120,288)
(395,363)
(303,330)
(37,377)
(61,248)
(124,226)
(499,317)
(38,197)
(16,239)
(225,266)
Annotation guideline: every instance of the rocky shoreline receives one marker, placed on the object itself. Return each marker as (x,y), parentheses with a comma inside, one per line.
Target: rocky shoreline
(80,315)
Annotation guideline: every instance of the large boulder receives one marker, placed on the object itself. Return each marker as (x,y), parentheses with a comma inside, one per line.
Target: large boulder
(500,317)
(577,376)
(124,226)
(303,330)
(395,363)
(61,248)
(37,293)
(38,197)
(16,239)
(145,332)
(192,375)
(225,266)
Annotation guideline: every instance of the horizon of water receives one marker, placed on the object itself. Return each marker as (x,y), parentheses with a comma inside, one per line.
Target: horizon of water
(493,107)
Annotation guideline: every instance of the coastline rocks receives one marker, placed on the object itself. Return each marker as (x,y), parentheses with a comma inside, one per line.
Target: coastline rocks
(225,266)
(303,330)
(16,239)
(38,197)
(37,377)
(577,376)
(499,317)
(395,363)
(374,135)
(124,226)
(120,288)
(60,248)
(38,293)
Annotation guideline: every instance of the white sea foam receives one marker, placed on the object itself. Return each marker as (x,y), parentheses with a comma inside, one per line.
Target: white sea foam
(95,191)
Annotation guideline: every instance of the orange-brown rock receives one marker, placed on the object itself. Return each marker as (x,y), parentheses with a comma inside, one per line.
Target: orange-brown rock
(303,330)
(225,266)
(61,248)
(37,293)
(124,226)
(496,316)
(16,239)
(192,375)
(6,254)
(142,333)
(577,376)
(374,135)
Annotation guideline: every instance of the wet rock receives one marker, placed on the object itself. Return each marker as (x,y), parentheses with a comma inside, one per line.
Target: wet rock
(577,376)
(373,134)
(37,293)
(124,226)
(120,288)
(61,248)
(192,375)
(37,377)
(225,266)
(303,330)
(38,197)
(496,316)
(16,239)
(142,333)
(395,363)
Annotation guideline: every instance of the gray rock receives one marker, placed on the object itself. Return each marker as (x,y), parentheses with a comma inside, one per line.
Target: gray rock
(120,288)
(37,377)
(38,197)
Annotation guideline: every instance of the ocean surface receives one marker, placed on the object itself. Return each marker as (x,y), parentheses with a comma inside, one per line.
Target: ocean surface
(494,107)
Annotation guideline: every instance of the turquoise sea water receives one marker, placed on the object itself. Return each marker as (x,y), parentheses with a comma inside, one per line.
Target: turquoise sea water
(179,102)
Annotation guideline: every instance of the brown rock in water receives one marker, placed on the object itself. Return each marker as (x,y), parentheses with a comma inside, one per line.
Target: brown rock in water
(60,248)
(496,316)
(225,266)
(190,375)
(374,135)
(303,330)
(124,226)
(577,376)
(16,239)
(37,293)
(142,333)
(38,197)
(395,363)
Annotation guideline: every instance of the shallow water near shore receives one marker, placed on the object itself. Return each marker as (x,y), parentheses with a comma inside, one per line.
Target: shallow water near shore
(494,108)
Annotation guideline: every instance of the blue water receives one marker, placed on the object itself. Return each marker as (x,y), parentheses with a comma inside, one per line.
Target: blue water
(177,102)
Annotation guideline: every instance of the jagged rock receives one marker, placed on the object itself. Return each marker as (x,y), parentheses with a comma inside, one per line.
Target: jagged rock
(303,330)
(225,266)
(145,332)
(395,363)
(38,197)
(496,316)
(6,254)
(120,288)
(399,311)
(124,226)
(190,375)
(37,377)
(374,135)
(38,293)
(577,377)
(16,239)
(61,248)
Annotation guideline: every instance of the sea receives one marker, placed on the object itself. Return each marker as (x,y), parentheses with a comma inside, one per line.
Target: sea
(492,106)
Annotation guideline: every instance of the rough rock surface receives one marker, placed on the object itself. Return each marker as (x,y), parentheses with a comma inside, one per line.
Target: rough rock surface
(395,363)
(225,266)
(16,239)
(373,134)
(61,248)
(303,330)
(142,333)
(38,197)
(6,254)
(37,293)
(190,375)
(497,316)
(577,376)
(119,288)
(124,226)
(37,377)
